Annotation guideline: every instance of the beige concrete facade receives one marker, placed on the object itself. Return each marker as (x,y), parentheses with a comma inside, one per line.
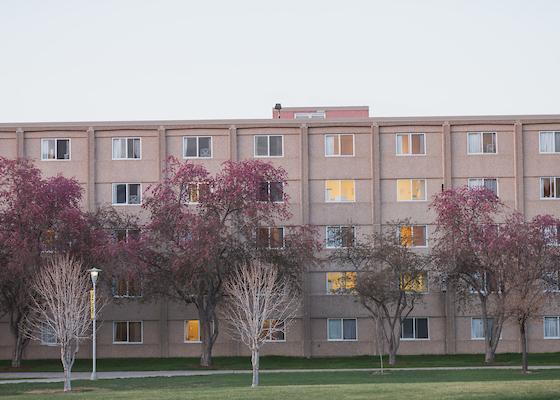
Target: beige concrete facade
(374,167)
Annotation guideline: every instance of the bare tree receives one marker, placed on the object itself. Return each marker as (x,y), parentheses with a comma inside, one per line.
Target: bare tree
(61,307)
(259,304)
(391,278)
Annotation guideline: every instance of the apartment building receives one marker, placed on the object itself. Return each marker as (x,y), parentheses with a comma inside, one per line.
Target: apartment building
(347,172)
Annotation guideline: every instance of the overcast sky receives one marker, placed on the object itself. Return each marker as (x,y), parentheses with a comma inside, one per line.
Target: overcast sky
(137,60)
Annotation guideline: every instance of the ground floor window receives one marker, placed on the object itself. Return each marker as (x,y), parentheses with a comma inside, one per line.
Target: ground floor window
(127,331)
(192,331)
(414,329)
(48,335)
(477,328)
(552,327)
(274,331)
(342,329)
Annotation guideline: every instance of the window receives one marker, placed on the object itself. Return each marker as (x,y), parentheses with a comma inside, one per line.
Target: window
(269,146)
(274,331)
(552,235)
(339,145)
(192,331)
(197,147)
(271,238)
(55,149)
(337,191)
(127,332)
(127,193)
(126,149)
(417,282)
(482,143)
(339,329)
(271,191)
(552,327)
(488,183)
(552,281)
(124,235)
(195,190)
(310,115)
(549,142)
(411,189)
(48,335)
(550,188)
(340,237)
(410,144)
(123,287)
(413,235)
(414,329)
(486,281)
(477,328)
(341,282)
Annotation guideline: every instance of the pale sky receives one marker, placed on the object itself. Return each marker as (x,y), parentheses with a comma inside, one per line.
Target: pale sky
(162,59)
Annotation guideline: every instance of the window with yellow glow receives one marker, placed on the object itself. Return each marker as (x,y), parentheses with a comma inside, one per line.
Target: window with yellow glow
(339,191)
(192,331)
(413,235)
(414,283)
(411,189)
(341,282)
(339,145)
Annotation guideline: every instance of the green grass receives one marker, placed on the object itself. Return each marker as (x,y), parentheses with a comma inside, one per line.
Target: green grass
(277,362)
(412,385)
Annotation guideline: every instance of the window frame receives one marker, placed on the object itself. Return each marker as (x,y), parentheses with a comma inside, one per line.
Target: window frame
(310,115)
(481,133)
(483,180)
(128,295)
(339,227)
(342,330)
(410,181)
(554,133)
(415,339)
(349,292)
(197,157)
(557,327)
(426,279)
(268,336)
(198,341)
(56,139)
(114,197)
(43,334)
(268,190)
(113,158)
(482,338)
(409,135)
(340,189)
(338,135)
(269,228)
(268,146)
(128,342)
(412,226)
(541,186)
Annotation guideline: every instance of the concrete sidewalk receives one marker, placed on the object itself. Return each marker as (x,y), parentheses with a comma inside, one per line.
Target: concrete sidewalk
(49,377)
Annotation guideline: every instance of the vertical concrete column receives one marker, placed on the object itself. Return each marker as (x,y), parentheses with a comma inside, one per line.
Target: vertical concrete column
(446,155)
(20,143)
(518,167)
(376,178)
(91,177)
(162,151)
(233,143)
(304,214)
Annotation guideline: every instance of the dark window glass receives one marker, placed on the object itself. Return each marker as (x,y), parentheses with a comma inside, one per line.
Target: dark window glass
(261,143)
(275,145)
(347,233)
(407,328)
(349,329)
(204,147)
(134,332)
(557,142)
(276,191)
(121,332)
(121,194)
(262,237)
(134,193)
(190,147)
(262,194)
(63,149)
(421,328)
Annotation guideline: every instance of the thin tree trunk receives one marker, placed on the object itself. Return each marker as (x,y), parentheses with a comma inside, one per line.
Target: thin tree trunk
(489,355)
(17,354)
(207,338)
(524,358)
(255,362)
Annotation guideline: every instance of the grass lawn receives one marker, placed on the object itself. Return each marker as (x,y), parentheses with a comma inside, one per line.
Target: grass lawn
(410,385)
(277,362)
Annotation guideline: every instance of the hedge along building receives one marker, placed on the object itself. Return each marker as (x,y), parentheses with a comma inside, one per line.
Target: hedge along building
(345,171)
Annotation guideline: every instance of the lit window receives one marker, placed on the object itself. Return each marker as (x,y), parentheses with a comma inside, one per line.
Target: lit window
(197,147)
(410,144)
(271,191)
(126,148)
(550,188)
(48,335)
(195,191)
(341,282)
(414,329)
(271,238)
(274,331)
(488,183)
(552,327)
(339,329)
(192,331)
(269,146)
(485,281)
(339,145)
(481,142)
(413,235)
(123,287)
(337,191)
(127,193)
(411,189)
(477,328)
(127,332)
(549,142)
(55,149)
(417,283)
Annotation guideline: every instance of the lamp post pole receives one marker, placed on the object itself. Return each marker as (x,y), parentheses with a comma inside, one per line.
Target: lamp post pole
(94,272)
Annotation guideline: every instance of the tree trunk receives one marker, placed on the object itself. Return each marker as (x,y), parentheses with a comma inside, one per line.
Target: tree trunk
(255,362)
(392,358)
(17,354)
(67,379)
(523,336)
(489,354)
(207,337)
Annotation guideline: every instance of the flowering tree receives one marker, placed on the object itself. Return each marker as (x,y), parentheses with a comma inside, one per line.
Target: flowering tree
(390,280)
(203,227)
(469,253)
(259,304)
(61,306)
(38,217)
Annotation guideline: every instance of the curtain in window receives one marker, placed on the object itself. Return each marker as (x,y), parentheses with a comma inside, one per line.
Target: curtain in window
(120,332)
(119,148)
(335,329)
(477,330)
(547,142)
(261,143)
(417,144)
(275,145)
(134,331)
(551,327)
(346,145)
(402,144)
(491,184)
(48,149)
(331,145)
(418,189)
(475,143)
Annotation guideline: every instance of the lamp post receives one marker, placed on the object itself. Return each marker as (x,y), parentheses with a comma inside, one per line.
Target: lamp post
(94,272)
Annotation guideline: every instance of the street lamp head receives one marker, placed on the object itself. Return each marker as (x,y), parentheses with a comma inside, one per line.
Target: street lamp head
(94,272)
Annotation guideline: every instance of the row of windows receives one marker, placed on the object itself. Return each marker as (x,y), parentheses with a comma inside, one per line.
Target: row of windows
(345,282)
(336,145)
